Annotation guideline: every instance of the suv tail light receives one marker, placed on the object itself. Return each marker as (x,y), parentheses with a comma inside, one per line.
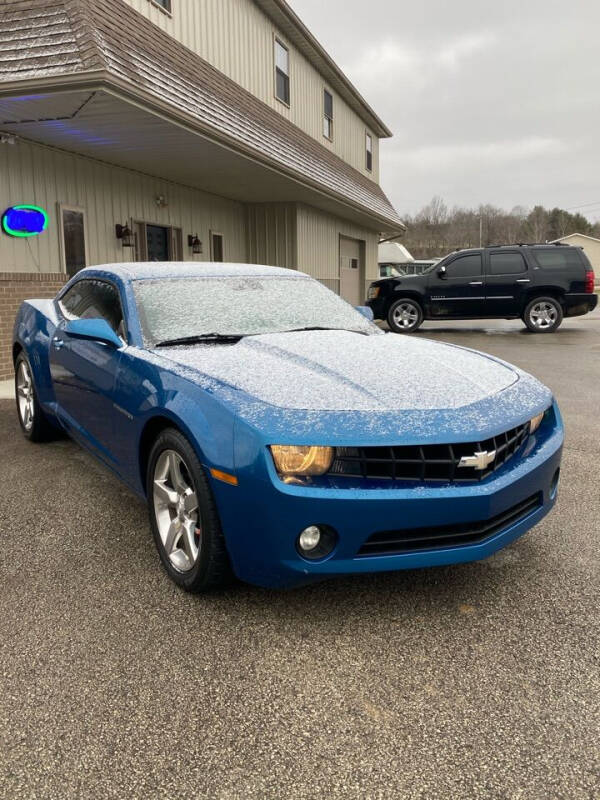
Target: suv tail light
(589,281)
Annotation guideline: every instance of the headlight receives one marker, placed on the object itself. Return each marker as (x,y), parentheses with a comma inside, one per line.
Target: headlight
(373,292)
(536,422)
(293,459)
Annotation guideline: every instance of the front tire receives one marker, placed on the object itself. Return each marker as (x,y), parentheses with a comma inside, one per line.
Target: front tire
(183,516)
(34,423)
(543,315)
(405,315)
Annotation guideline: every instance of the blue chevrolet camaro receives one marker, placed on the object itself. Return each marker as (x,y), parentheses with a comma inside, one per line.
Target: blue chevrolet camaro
(275,432)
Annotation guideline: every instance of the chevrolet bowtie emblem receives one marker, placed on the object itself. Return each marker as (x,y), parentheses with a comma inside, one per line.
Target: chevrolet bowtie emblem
(479,461)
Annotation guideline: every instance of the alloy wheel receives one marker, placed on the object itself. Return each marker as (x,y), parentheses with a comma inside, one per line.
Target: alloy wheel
(176,510)
(543,315)
(25,397)
(406,315)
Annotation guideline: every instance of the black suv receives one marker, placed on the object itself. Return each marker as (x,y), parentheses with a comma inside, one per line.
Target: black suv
(539,284)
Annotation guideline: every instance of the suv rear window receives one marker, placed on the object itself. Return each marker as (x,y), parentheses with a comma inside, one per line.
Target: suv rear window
(557,258)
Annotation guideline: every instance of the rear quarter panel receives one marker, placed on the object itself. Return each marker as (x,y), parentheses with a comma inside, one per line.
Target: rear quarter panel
(34,328)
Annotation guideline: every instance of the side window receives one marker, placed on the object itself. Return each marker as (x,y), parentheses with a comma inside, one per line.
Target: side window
(282,72)
(369,151)
(465,267)
(507,263)
(327,115)
(557,258)
(89,299)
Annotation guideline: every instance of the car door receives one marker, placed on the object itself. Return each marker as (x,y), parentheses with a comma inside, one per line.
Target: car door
(506,282)
(456,287)
(84,373)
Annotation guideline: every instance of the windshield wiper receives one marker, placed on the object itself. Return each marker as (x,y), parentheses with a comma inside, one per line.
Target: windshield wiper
(321,328)
(201,337)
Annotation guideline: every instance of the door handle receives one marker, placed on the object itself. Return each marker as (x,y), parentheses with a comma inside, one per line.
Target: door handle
(475,283)
(57,343)
(523,280)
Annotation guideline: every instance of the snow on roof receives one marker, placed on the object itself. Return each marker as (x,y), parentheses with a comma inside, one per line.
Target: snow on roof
(145,270)
(393,253)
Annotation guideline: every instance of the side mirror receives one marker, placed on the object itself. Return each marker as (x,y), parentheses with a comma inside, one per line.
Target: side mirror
(441,271)
(96,330)
(366,312)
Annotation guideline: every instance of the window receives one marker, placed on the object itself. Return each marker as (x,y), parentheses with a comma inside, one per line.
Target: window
(369,146)
(557,258)
(72,221)
(507,263)
(464,267)
(216,246)
(94,300)
(327,114)
(166,4)
(282,72)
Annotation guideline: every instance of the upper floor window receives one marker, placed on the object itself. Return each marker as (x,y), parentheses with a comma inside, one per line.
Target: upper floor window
(327,114)
(369,149)
(166,4)
(282,72)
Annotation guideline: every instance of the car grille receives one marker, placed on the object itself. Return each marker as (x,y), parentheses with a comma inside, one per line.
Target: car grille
(410,540)
(429,462)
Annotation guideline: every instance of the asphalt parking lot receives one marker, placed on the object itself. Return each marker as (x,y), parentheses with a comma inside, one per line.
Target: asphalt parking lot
(478,680)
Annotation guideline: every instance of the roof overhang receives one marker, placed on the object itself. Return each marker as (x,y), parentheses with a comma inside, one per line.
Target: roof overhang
(93,116)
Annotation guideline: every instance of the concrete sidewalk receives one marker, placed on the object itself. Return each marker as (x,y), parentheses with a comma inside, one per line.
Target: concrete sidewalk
(7,389)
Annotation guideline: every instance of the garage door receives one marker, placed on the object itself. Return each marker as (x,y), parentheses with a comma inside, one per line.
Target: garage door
(351,270)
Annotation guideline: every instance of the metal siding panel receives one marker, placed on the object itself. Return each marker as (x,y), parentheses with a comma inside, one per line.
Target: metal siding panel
(236,37)
(110,195)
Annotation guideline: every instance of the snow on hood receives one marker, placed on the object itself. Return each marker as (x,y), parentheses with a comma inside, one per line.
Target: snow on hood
(344,371)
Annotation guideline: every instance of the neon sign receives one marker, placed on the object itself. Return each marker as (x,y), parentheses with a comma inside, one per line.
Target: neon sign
(25,220)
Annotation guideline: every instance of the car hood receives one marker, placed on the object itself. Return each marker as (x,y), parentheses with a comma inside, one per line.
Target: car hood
(345,371)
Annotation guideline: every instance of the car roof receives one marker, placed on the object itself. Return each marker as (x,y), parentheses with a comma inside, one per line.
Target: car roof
(156,270)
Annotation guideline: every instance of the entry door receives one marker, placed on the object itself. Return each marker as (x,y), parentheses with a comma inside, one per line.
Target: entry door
(84,373)
(351,271)
(459,291)
(157,243)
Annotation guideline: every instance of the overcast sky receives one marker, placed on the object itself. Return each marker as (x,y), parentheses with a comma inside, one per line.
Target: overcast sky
(490,102)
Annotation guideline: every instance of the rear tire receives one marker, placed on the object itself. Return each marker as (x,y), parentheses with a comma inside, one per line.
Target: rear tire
(183,516)
(405,315)
(34,423)
(543,315)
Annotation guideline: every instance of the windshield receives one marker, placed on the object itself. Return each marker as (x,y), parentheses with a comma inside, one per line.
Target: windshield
(180,308)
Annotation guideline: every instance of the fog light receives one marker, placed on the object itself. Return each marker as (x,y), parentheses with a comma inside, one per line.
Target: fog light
(309,538)
(316,542)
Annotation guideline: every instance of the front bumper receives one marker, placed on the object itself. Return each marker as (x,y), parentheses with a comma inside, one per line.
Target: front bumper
(262,517)
(378,306)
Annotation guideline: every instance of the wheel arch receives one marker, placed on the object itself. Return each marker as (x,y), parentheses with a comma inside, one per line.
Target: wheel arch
(541,291)
(410,294)
(152,429)
(16,349)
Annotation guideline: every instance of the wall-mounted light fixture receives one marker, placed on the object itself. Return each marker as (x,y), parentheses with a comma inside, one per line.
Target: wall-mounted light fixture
(125,234)
(161,201)
(8,138)
(195,243)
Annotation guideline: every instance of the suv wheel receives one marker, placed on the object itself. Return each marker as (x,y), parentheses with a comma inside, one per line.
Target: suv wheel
(543,315)
(405,315)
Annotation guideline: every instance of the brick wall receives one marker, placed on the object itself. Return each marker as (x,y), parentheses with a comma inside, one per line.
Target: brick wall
(14,288)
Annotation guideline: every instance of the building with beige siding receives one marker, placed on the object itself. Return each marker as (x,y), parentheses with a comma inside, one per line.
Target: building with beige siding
(591,247)
(183,129)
